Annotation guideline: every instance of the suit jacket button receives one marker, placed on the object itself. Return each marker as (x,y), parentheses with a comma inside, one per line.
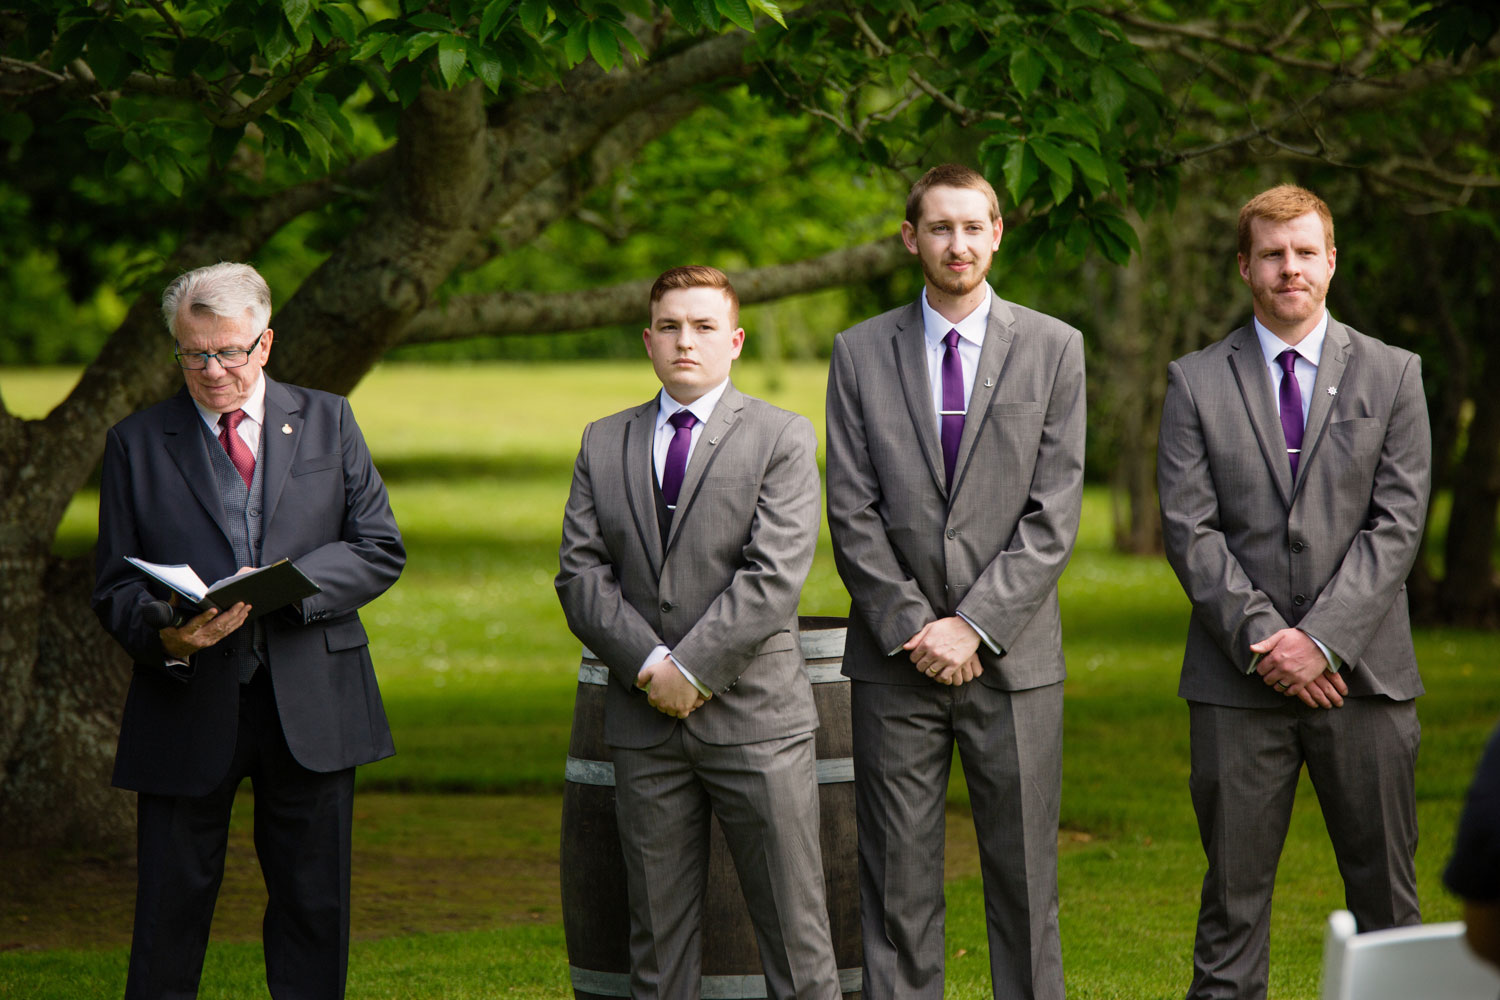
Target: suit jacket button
(1298,546)
(666,607)
(952,533)
(1299,600)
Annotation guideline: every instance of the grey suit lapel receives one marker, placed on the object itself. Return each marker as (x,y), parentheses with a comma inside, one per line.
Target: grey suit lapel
(997,340)
(710,440)
(910,345)
(1330,374)
(182,431)
(1249,367)
(640,472)
(277,447)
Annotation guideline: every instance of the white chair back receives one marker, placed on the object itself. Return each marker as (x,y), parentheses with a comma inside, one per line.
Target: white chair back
(1423,962)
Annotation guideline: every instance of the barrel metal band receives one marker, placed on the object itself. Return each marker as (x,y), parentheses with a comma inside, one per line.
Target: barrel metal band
(831,771)
(617,984)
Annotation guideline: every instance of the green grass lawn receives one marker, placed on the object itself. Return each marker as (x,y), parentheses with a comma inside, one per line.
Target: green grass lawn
(478,672)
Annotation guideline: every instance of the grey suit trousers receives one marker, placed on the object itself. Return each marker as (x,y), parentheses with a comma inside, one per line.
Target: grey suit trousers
(1245,765)
(1010,745)
(765,796)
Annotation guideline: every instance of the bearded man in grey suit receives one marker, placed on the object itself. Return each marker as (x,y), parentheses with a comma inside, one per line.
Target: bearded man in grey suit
(688,534)
(1293,465)
(955,476)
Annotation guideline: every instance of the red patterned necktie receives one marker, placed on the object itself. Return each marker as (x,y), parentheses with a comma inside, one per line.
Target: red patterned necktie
(239,451)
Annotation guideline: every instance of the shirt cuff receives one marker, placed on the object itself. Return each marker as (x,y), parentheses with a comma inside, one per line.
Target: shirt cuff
(984,636)
(702,689)
(661,652)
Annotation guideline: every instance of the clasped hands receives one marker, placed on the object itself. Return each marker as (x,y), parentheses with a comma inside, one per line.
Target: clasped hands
(667,690)
(1293,664)
(946,650)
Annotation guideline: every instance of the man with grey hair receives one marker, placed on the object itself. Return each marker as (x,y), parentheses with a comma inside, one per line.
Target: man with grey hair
(236,471)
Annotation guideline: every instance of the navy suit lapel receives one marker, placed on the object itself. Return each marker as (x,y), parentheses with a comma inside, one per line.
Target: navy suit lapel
(1249,367)
(1325,390)
(710,440)
(279,437)
(639,470)
(997,340)
(182,437)
(910,346)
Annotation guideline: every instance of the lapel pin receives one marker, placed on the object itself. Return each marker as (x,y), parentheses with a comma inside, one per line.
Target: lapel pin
(1333,390)
(989,383)
(286,428)
(713,440)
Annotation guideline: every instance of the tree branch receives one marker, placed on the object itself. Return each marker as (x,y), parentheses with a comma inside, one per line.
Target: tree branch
(526,313)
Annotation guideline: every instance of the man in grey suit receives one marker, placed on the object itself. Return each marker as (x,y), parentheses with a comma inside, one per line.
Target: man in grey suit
(688,534)
(1293,466)
(955,475)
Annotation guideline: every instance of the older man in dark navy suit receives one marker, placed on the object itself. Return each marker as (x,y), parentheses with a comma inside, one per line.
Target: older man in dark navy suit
(237,471)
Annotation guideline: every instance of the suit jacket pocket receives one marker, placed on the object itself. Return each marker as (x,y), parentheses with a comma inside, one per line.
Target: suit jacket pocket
(317,463)
(1009,408)
(346,635)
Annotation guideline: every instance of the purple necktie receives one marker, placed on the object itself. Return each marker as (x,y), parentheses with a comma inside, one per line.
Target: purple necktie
(239,451)
(677,456)
(952,412)
(1291,407)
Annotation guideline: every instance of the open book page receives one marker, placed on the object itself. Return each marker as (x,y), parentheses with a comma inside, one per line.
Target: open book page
(179,577)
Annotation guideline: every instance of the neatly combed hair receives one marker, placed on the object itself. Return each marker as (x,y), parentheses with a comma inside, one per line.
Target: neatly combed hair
(697,276)
(222,289)
(1283,203)
(949,175)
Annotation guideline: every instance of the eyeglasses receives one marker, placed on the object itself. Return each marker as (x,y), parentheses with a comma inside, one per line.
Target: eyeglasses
(233,357)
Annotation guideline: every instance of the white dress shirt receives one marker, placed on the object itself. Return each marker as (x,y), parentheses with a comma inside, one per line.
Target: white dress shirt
(255,417)
(971,330)
(666,408)
(1305,369)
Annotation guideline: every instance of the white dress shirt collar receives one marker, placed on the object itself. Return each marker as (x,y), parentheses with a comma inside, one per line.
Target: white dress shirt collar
(702,407)
(254,407)
(1310,347)
(971,328)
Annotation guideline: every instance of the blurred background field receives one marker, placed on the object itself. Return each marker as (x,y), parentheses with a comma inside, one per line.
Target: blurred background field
(455,867)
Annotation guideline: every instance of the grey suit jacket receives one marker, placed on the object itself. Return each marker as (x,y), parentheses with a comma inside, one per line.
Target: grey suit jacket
(1329,553)
(909,551)
(723,595)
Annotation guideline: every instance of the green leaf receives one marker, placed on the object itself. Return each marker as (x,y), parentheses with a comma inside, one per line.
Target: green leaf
(421,42)
(1083,34)
(459,11)
(69,44)
(1109,93)
(485,64)
(16,127)
(167,174)
(685,14)
(1090,162)
(489,24)
(340,23)
(279,48)
(576,42)
(1026,69)
(628,41)
(1139,75)
(1122,231)
(737,11)
(110,65)
(1059,168)
(603,45)
(1143,194)
(1020,171)
(296,11)
(534,16)
(451,58)
(432,22)
(770,9)
(707,13)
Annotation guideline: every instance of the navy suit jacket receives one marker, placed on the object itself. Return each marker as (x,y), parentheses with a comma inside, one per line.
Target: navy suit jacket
(325,508)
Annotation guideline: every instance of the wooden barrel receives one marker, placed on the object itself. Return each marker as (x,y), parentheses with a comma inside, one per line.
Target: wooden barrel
(596,917)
